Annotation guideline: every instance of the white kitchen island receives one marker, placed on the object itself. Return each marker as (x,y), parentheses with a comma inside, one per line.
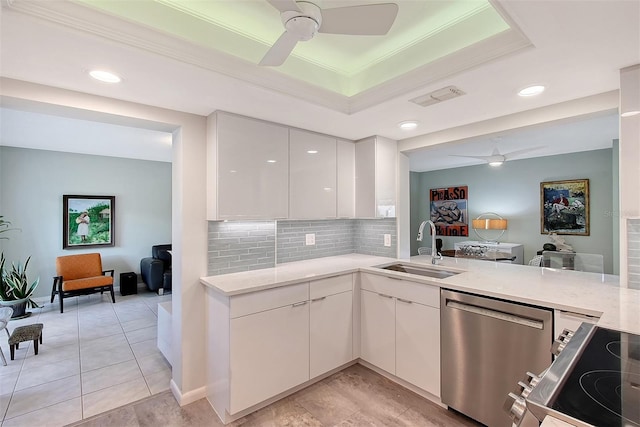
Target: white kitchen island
(272,332)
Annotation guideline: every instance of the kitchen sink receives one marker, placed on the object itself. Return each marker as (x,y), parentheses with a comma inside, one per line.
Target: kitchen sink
(420,270)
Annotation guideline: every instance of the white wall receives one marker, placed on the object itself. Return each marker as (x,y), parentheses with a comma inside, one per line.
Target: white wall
(32,183)
(513,191)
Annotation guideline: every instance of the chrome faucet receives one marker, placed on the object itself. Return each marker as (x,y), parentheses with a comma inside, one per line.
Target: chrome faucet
(435,255)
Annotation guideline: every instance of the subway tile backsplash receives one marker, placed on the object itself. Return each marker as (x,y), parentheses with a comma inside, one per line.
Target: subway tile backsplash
(369,236)
(242,246)
(333,237)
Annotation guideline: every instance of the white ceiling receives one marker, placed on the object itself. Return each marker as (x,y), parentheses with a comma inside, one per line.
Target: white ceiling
(578,48)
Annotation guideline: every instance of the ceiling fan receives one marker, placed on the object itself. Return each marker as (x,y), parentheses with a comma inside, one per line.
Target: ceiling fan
(496,159)
(303,19)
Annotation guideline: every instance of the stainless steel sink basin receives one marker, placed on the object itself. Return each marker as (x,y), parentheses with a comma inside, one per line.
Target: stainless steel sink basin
(420,270)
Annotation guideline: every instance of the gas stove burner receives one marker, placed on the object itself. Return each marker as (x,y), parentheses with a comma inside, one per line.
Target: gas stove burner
(609,388)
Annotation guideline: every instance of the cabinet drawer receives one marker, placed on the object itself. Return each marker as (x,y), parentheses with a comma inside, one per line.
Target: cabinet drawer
(330,286)
(241,305)
(412,291)
(419,292)
(378,284)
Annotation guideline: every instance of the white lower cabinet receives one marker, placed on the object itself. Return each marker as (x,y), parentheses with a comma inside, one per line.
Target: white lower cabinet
(269,354)
(418,345)
(377,330)
(263,343)
(331,336)
(400,329)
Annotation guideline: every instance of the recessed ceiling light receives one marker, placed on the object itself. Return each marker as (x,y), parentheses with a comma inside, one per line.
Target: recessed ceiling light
(531,90)
(495,164)
(271,161)
(630,113)
(312,151)
(408,125)
(105,76)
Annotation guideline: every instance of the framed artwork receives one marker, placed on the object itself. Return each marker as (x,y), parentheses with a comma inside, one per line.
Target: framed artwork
(448,210)
(88,221)
(564,207)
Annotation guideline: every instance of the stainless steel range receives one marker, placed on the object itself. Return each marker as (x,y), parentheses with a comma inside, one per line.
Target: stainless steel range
(594,381)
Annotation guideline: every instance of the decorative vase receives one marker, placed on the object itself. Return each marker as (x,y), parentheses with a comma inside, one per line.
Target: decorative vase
(19,308)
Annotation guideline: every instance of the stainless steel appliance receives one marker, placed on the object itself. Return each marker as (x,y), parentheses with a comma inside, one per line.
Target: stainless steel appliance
(594,381)
(486,346)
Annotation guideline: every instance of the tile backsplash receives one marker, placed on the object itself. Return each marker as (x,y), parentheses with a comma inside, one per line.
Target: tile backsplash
(242,246)
(332,237)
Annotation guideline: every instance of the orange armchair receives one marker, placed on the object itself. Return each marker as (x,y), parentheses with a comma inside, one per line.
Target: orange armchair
(80,275)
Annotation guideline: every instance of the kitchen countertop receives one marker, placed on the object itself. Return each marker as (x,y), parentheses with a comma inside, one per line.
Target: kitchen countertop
(587,293)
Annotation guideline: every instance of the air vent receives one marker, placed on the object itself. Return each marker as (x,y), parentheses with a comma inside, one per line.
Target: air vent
(438,96)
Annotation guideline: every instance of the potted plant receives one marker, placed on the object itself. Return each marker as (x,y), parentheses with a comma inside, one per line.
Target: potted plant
(15,289)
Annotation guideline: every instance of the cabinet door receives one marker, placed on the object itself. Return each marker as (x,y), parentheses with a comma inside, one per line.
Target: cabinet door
(330,329)
(386,166)
(418,345)
(312,180)
(377,330)
(252,168)
(269,354)
(346,179)
(366,178)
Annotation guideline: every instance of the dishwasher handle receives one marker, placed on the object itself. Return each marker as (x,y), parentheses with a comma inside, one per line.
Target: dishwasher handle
(500,315)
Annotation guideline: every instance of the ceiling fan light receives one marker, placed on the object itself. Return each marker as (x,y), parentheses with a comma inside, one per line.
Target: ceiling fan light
(531,90)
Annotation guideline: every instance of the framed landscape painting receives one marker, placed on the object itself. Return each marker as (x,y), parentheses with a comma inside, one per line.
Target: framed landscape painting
(88,221)
(564,207)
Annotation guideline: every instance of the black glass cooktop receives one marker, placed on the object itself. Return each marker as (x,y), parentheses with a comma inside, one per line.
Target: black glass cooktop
(603,389)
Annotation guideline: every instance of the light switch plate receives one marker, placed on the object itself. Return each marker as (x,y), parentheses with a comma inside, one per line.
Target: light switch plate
(310,239)
(387,240)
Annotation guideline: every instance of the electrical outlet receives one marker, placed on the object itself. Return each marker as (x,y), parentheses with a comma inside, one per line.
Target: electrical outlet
(387,239)
(310,239)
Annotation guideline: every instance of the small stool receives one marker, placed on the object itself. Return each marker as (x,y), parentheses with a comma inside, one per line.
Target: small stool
(25,333)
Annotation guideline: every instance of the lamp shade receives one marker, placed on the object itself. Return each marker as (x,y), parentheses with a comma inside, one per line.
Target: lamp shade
(489,224)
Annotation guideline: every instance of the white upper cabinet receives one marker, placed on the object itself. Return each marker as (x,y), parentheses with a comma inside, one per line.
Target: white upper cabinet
(376,159)
(247,168)
(346,179)
(312,175)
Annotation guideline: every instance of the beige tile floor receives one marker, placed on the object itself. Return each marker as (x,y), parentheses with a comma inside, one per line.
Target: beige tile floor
(95,356)
(353,397)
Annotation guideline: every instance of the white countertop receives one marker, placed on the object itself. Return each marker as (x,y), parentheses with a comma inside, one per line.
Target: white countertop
(586,293)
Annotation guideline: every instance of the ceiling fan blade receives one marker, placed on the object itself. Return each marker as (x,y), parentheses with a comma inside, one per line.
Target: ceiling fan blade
(285,5)
(280,50)
(485,158)
(370,19)
(516,153)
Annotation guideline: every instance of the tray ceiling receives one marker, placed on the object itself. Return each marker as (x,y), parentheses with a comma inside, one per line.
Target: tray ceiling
(423,34)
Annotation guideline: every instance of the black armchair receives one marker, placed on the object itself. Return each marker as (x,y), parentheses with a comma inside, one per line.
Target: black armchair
(156,270)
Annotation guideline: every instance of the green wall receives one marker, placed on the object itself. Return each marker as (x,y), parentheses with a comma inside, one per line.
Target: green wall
(513,191)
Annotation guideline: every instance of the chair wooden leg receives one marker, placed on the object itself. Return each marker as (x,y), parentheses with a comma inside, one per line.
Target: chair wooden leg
(61,298)
(35,346)
(113,297)
(12,349)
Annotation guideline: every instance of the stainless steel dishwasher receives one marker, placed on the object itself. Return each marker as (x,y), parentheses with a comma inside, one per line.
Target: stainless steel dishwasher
(487,345)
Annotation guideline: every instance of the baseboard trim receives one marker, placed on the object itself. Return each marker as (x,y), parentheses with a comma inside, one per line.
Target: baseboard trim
(188,397)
